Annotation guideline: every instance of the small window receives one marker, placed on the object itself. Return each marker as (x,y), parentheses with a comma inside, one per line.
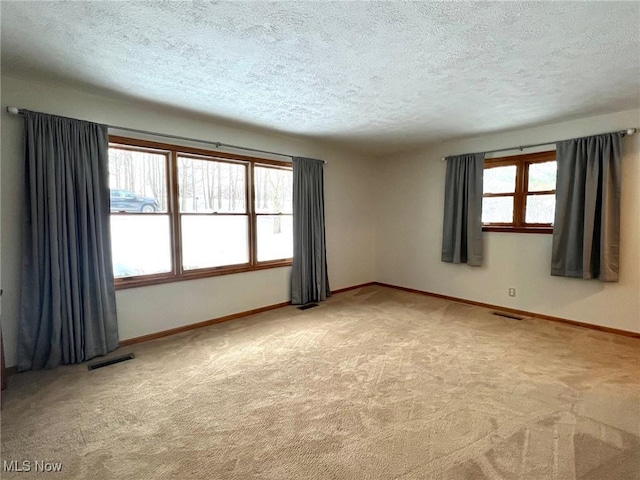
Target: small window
(519,193)
(274,211)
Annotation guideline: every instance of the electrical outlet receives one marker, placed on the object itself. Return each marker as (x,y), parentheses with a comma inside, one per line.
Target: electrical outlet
(512,292)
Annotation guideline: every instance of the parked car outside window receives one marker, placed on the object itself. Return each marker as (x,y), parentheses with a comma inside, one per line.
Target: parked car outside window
(126,201)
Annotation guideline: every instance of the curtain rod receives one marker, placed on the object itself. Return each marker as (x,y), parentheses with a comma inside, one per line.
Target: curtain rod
(18,111)
(629,131)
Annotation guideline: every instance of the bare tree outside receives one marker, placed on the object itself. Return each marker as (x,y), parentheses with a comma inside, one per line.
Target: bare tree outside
(208,186)
(274,191)
(274,206)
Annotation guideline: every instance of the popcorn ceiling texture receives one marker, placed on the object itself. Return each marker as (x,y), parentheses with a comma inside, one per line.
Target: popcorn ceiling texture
(378,76)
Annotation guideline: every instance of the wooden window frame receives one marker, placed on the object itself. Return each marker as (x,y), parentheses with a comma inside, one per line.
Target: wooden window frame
(177,273)
(522,164)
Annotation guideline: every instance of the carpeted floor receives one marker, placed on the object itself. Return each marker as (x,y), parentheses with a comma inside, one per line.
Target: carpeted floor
(373,384)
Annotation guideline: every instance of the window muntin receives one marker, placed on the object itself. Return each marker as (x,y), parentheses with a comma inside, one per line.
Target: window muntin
(204,222)
(519,193)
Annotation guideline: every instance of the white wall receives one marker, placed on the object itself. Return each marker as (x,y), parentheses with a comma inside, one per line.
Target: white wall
(349,216)
(395,207)
(409,234)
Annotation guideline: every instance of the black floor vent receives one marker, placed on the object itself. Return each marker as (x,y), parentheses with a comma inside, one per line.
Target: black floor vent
(508,315)
(111,361)
(308,306)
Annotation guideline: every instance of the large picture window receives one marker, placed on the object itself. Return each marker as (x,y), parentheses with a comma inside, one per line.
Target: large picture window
(519,193)
(179,213)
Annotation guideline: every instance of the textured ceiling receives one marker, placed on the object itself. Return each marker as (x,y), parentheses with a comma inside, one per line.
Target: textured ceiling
(376,76)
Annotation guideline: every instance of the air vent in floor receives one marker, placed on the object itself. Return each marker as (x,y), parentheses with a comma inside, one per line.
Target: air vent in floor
(308,306)
(507,315)
(111,361)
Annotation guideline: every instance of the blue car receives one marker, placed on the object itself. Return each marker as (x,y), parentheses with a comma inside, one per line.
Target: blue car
(126,201)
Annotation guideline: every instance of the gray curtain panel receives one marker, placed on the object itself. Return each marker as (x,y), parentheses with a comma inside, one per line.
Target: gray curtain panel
(309,278)
(462,227)
(68,311)
(586,231)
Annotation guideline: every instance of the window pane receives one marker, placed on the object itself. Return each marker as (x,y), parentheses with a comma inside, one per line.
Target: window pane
(214,241)
(542,176)
(138,181)
(497,209)
(274,190)
(500,179)
(140,245)
(540,208)
(208,186)
(275,237)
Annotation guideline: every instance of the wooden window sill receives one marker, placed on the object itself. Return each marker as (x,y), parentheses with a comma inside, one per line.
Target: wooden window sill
(545,230)
(133,282)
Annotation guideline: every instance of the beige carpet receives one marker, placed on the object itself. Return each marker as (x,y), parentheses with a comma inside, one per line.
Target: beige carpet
(374,384)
